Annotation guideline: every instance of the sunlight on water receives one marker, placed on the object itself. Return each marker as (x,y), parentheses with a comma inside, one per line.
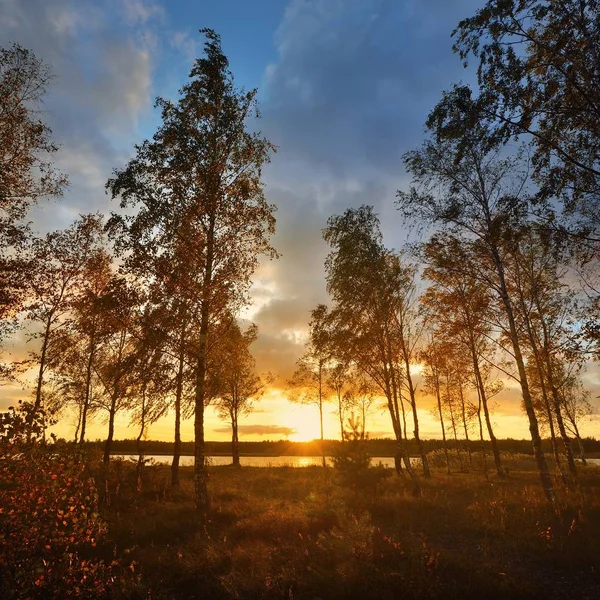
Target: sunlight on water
(260,461)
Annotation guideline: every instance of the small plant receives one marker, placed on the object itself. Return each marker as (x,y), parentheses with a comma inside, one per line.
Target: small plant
(352,461)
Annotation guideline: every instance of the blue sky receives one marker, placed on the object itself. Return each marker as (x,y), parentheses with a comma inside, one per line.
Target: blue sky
(344,85)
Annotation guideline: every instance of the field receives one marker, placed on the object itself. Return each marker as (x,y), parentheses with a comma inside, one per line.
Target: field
(307,533)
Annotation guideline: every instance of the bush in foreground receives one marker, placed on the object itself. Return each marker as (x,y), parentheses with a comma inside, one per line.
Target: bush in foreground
(49,524)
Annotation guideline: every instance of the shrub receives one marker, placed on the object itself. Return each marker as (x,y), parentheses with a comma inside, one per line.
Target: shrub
(49,523)
(352,462)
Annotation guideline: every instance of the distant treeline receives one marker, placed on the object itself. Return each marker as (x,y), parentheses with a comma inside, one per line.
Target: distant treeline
(376,447)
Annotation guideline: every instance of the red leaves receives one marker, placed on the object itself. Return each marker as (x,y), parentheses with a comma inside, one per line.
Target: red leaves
(48,518)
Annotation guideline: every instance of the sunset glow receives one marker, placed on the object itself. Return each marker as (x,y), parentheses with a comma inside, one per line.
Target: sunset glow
(299,299)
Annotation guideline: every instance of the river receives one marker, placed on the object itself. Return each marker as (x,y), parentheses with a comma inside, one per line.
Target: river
(274,461)
(256,461)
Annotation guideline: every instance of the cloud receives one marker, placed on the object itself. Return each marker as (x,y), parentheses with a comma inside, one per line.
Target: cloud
(355,79)
(259,430)
(343,102)
(138,11)
(102,88)
(380,434)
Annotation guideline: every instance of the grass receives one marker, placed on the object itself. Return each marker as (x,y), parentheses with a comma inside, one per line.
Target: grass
(296,533)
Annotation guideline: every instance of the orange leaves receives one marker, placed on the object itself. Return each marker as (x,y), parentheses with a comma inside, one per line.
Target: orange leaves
(49,515)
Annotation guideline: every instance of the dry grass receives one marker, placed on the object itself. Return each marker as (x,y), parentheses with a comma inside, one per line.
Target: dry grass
(295,533)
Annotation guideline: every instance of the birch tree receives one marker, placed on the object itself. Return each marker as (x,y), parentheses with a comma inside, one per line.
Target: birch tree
(200,209)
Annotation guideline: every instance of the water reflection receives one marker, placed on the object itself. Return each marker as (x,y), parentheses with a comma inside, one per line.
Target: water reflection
(274,461)
(261,461)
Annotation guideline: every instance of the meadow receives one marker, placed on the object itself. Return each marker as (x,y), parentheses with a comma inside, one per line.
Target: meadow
(314,533)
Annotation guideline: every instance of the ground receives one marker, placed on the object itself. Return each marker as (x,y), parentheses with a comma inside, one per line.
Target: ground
(310,533)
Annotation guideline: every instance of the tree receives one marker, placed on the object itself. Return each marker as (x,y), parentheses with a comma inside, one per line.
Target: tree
(462,185)
(83,335)
(309,382)
(460,306)
(26,170)
(410,329)
(538,75)
(14,275)
(362,395)
(117,360)
(183,382)
(58,262)
(536,269)
(577,408)
(150,385)
(239,385)
(367,283)
(434,363)
(201,209)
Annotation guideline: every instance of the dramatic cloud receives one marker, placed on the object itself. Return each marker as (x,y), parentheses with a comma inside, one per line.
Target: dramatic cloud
(101,58)
(343,102)
(346,87)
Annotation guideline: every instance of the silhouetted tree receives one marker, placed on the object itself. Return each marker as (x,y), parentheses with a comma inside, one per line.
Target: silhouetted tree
(58,263)
(26,169)
(577,408)
(538,76)
(26,172)
(463,185)
(368,283)
(461,307)
(201,207)
(432,356)
(239,385)
(309,383)
(536,268)
(117,360)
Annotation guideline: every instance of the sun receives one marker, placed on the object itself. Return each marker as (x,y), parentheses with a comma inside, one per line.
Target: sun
(304,419)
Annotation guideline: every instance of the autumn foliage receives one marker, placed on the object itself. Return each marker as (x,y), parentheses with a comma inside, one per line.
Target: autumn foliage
(49,524)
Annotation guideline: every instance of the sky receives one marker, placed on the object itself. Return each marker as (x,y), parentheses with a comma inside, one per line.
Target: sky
(344,89)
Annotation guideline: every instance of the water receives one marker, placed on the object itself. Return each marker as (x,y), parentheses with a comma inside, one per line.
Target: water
(276,461)
(258,461)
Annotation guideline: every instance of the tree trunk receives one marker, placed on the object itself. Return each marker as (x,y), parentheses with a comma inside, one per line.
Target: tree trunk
(40,380)
(554,393)
(483,400)
(395,391)
(140,463)
(580,445)
(403,451)
(464,420)
(235,448)
(341,412)
(111,431)
(439,403)
(200,472)
(77,428)
(553,440)
(561,426)
(453,424)
(527,401)
(364,420)
(324,460)
(413,404)
(178,397)
(543,368)
(483,453)
(395,422)
(88,385)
